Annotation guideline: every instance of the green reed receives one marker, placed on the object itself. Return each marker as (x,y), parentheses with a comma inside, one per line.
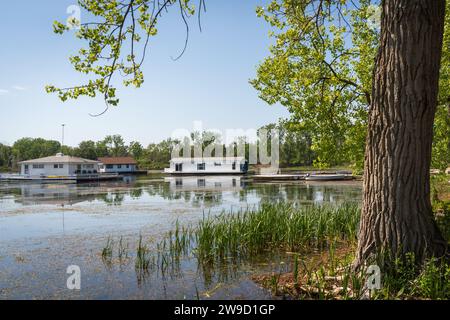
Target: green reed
(274,226)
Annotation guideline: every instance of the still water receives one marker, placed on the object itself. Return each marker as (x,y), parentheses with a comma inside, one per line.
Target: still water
(44,228)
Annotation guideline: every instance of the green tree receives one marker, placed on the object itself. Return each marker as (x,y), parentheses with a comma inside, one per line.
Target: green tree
(87,150)
(29,148)
(6,157)
(136,150)
(319,68)
(115,145)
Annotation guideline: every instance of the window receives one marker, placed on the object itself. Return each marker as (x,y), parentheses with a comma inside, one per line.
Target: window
(119,166)
(89,166)
(201,166)
(56,166)
(201,182)
(217,164)
(179,167)
(233,167)
(38,166)
(109,166)
(128,166)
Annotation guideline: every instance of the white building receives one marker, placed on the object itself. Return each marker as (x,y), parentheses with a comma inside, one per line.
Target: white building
(204,183)
(117,165)
(213,165)
(58,165)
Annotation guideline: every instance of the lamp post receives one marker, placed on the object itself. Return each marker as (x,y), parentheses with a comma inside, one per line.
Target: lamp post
(62,139)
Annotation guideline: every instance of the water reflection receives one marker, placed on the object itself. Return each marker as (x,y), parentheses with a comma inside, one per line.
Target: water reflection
(51,237)
(195,191)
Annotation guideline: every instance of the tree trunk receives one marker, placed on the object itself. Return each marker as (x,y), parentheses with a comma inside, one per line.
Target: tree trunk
(397,216)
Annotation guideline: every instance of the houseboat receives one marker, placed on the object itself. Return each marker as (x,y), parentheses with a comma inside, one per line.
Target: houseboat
(207,166)
(205,183)
(121,165)
(59,168)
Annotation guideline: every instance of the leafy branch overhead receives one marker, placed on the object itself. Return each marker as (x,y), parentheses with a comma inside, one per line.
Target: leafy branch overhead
(118,38)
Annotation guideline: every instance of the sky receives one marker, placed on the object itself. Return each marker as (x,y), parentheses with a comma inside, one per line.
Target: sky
(209,83)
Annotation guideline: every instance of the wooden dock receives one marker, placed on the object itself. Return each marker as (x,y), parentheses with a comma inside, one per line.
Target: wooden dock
(279,177)
(305,177)
(63,179)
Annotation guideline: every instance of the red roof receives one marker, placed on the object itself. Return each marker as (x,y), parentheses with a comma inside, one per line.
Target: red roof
(117,160)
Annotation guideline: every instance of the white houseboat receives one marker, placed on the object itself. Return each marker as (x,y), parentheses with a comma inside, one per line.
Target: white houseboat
(59,168)
(207,166)
(204,183)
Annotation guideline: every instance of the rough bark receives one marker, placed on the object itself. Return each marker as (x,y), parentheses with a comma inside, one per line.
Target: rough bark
(397,215)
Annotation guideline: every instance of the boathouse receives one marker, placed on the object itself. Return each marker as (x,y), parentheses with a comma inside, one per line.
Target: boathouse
(117,165)
(58,165)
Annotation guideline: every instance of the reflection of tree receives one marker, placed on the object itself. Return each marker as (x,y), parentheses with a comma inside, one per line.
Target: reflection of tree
(112,198)
(136,193)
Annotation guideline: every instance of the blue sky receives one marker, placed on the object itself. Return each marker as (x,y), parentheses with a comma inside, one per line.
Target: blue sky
(209,83)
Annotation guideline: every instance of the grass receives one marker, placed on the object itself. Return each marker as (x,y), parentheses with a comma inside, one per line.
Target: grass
(107,252)
(274,226)
(326,232)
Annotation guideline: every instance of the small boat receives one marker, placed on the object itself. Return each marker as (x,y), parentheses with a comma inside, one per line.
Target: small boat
(328,177)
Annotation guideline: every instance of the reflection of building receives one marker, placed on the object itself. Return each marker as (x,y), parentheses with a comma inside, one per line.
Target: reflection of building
(58,166)
(53,194)
(117,165)
(213,165)
(220,183)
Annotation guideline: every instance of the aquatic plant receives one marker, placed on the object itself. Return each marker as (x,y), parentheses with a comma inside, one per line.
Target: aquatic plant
(107,251)
(274,226)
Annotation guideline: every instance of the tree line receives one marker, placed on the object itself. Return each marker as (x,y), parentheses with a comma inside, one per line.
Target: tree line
(295,148)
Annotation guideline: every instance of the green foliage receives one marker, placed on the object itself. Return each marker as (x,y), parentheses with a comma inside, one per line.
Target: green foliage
(274,226)
(29,148)
(117,38)
(320,68)
(295,143)
(6,157)
(441,143)
(157,155)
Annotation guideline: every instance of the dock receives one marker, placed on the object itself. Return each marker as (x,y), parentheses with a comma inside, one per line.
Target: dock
(279,177)
(303,177)
(63,179)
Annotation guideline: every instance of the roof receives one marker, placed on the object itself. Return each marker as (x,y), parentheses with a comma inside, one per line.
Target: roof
(60,158)
(209,159)
(117,160)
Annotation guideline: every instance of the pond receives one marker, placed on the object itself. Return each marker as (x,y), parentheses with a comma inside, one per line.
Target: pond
(45,228)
